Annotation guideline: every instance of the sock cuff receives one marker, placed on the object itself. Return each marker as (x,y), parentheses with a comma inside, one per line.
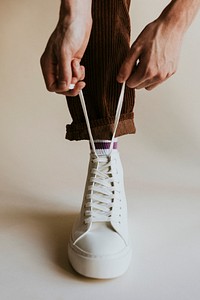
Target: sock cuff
(104,144)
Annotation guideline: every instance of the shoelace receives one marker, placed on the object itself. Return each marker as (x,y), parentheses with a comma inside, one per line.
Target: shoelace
(102,191)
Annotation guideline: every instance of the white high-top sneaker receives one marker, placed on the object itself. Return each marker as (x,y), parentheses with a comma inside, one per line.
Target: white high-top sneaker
(99,246)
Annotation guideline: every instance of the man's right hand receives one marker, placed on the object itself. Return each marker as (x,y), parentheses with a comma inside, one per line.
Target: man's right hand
(61,59)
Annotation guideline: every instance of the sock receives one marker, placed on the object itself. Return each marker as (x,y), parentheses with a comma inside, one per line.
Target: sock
(103,146)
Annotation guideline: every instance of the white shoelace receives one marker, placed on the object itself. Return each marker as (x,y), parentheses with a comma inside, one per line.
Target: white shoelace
(102,191)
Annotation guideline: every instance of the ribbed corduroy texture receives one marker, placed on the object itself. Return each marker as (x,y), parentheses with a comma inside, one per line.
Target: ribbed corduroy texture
(108,46)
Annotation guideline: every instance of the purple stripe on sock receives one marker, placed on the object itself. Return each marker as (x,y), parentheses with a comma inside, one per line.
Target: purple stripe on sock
(106,145)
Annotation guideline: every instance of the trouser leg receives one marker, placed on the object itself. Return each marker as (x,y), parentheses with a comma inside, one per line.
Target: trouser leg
(108,46)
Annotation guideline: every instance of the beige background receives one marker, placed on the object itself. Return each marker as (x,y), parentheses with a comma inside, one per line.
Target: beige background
(42,175)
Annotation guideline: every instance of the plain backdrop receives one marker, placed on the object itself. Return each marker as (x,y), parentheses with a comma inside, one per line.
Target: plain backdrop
(42,175)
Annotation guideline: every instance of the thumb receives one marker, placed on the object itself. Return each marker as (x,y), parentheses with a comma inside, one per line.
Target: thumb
(129,64)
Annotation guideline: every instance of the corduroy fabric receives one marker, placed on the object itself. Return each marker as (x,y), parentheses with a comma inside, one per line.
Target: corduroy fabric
(108,46)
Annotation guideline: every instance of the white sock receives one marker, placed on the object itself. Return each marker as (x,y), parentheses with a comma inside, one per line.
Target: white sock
(103,146)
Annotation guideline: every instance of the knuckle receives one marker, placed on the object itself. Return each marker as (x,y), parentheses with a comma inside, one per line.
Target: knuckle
(50,88)
(136,47)
(149,73)
(42,60)
(161,76)
(173,72)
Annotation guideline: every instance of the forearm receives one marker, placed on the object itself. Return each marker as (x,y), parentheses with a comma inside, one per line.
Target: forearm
(179,14)
(71,9)
(61,60)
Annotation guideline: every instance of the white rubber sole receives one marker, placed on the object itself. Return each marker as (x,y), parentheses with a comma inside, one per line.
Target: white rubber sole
(99,267)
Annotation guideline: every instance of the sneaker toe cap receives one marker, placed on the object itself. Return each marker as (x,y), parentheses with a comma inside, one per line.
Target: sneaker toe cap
(100,242)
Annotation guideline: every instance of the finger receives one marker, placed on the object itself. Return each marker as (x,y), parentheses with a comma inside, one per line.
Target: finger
(151,87)
(64,71)
(147,83)
(49,70)
(78,87)
(82,73)
(129,64)
(78,71)
(138,76)
(76,90)
(155,83)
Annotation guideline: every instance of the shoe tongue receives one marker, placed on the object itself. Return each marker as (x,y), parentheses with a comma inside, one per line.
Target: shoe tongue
(104,152)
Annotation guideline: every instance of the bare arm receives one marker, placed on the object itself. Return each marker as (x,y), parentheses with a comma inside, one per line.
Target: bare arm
(60,61)
(154,55)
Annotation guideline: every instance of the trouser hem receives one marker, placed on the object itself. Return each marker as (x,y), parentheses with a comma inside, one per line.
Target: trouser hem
(101,129)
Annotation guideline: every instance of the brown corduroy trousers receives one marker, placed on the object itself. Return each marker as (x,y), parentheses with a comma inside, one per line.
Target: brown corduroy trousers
(108,46)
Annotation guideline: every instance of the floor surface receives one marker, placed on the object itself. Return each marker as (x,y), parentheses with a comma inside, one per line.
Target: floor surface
(164,225)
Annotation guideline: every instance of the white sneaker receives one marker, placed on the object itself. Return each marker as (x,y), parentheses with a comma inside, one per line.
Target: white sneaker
(99,245)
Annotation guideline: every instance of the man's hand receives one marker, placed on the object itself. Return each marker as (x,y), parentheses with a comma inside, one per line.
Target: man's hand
(154,55)
(61,59)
